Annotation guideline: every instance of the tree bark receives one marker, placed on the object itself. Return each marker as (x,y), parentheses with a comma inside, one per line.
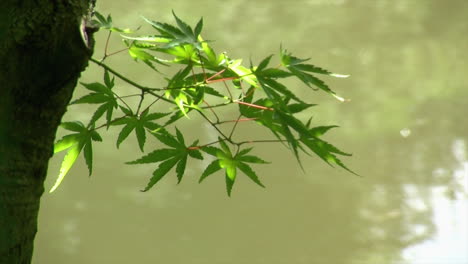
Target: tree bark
(41,57)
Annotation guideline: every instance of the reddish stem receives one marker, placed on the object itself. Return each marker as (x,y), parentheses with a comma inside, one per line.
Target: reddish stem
(255,106)
(240,120)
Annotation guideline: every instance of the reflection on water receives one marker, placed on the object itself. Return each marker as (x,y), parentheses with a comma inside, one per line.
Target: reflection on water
(450,208)
(450,242)
(406,125)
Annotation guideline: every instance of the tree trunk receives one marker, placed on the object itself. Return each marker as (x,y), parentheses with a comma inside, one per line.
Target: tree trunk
(41,57)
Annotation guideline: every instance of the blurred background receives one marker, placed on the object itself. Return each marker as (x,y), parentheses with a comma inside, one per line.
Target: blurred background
(406,126)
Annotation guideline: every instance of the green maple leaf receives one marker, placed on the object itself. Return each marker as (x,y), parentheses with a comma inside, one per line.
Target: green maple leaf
(137,52)
(273,88)
(101,94)
(106,23)
(75,143)
(176,90)
(304,72)
(231,163)
(139,124)
(281,122)
(180,35)
(167,158)
(309,137)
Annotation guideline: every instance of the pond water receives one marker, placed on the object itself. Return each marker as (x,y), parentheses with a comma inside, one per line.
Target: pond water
(405,124)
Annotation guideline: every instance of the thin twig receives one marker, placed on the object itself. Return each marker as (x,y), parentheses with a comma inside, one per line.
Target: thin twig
(125,79)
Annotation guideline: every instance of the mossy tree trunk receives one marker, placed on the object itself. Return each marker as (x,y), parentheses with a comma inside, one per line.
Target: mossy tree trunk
(41,57)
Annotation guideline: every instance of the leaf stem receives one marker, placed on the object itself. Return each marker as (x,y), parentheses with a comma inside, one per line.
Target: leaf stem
(113,121)
(216,105)
(120,98)
(107,45)
(229,91)
(213,111)
(202,146)
(142,97)
(261,141)
(235,125)
(254,105)
(157,99)
(214,125)
(115,52)
(236,120)
(130,95)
